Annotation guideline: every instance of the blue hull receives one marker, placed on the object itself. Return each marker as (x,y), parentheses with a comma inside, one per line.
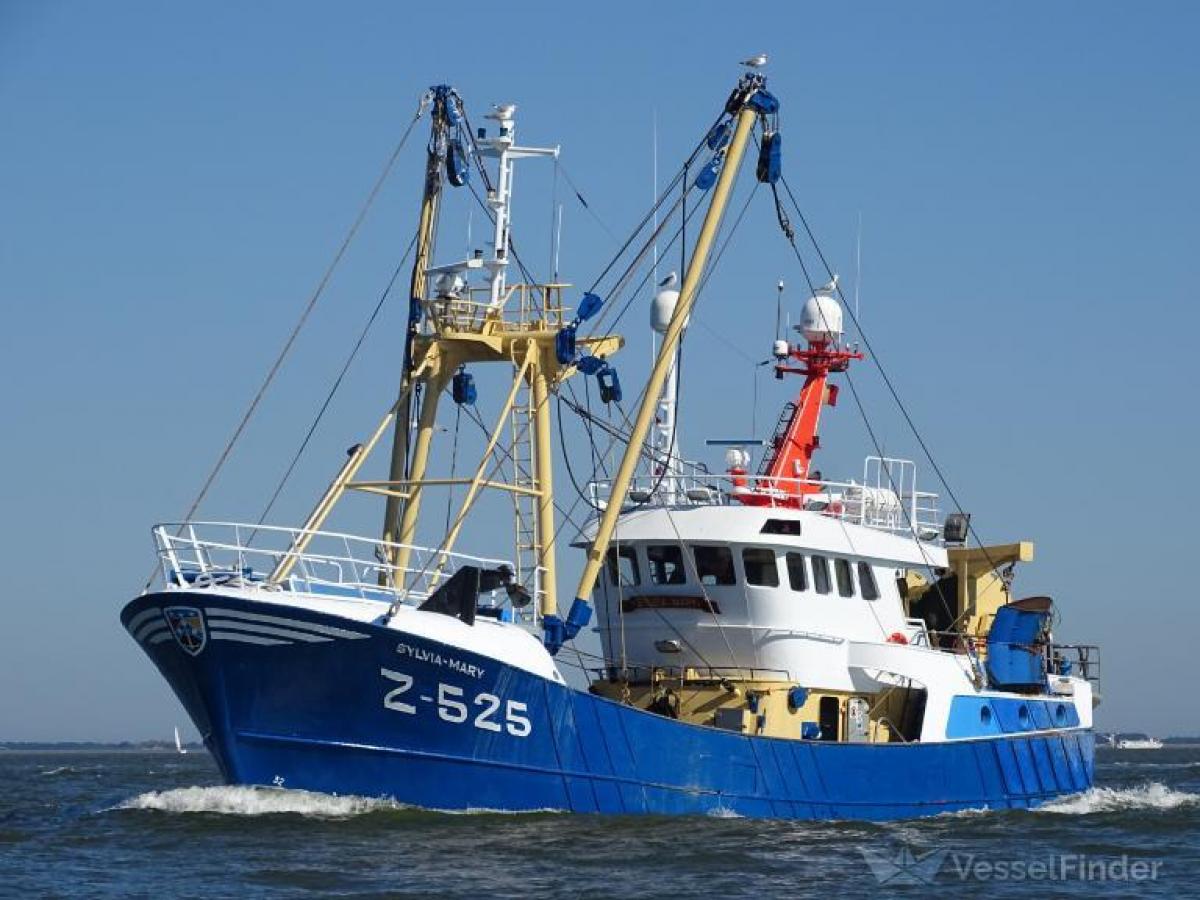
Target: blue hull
(433,726)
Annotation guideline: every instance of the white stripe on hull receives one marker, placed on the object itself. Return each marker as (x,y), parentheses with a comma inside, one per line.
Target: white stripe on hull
(145,615)
(149,629)
(289,623)
(251,628)
(240,638)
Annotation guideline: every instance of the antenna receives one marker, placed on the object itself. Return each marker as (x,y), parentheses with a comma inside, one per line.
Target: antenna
(654,182)
(557,240)
(857,263)
(555,221)
(778,309)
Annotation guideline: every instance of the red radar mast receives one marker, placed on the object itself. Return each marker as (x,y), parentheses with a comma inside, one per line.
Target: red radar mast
(784,478)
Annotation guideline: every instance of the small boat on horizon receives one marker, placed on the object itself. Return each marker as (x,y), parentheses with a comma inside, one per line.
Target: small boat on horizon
(1137,742)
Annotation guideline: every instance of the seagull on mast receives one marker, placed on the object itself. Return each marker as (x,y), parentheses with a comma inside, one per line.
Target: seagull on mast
(670,281)
(755,62)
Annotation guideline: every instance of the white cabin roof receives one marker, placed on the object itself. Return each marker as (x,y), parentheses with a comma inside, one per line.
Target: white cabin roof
(744,525)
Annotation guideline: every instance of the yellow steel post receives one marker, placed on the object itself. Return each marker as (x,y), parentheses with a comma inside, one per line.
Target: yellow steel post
(416,290)
(407,529)
(544,472)
(477,480)
(666,353)
(322,510)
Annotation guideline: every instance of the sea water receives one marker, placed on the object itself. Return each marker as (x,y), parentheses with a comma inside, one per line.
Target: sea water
(155,824)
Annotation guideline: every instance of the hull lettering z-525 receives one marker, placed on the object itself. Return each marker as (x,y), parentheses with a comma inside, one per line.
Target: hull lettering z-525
(772,642)
(453,707)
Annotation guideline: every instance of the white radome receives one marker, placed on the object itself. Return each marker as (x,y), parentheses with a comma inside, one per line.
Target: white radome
(662,309)
(821,318)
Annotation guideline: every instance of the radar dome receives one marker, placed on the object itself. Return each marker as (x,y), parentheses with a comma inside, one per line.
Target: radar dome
(821,318)
(662,309)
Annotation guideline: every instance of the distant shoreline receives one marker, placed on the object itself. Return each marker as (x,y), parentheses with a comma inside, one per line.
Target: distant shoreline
(95,746)
(169,746)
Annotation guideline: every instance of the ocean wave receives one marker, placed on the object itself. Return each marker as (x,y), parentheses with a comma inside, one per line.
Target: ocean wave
(1154,795)
(970,812)
(1123,764)
(723,812)
(256,801)
(55,771)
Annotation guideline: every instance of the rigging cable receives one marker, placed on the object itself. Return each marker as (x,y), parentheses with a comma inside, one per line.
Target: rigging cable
(879,365)
(582,202)
(681,174)
(615,431)
(312,302)
(337,383)
(453,464)
(895,396)
(790,234)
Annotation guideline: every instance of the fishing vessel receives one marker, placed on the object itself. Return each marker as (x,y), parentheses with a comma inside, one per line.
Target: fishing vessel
(772,643)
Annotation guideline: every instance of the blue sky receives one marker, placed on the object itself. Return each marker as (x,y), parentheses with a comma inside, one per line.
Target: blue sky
(174,178)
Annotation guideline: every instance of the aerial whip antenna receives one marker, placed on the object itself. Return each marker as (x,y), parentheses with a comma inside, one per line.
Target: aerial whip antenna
(778,309)
(857,263)
(654,180)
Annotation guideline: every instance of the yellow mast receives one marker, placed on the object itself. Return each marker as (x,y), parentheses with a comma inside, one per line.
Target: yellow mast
(462,329)
(620,486)
(543,470)
(393,526)
(356,456)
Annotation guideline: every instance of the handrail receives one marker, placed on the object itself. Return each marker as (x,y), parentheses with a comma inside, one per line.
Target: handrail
(851,501)
(334,563)
(535,302)
(688,673)
(1084,656)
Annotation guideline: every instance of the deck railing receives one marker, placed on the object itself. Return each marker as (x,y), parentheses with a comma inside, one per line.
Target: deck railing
(209,553)
(886,499)
(471,310)
(1081,660)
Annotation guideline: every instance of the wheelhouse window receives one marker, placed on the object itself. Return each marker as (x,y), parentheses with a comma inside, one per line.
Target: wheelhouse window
(622,566)
(714,565)
(666,563)
(781,526)
(866,582)
(759,563)
(797,576)
(820,574)
(845,577)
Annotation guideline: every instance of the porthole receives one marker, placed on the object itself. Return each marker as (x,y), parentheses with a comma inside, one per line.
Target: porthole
(1060,714)
(985,715)
(1023,715)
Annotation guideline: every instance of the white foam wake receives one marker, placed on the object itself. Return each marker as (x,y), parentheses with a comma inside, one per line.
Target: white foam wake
(1098,800)
(722,812)
(255,801)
